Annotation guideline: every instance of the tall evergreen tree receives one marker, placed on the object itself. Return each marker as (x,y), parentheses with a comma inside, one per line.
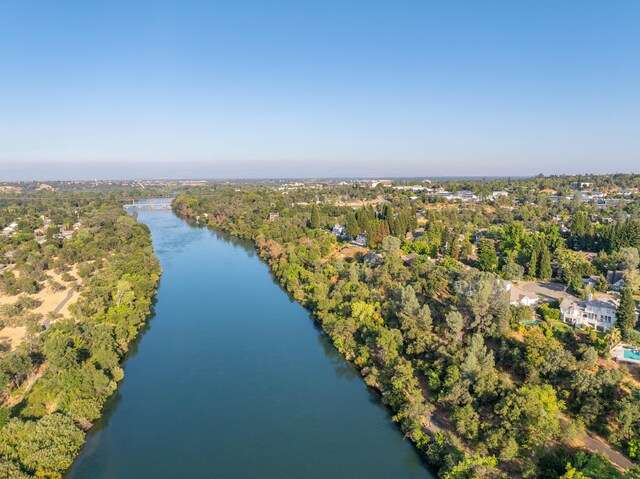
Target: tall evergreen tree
(353,228)
(545,264)
(533,263)
(626,313)
(386,212)
(314,222)
(581,231)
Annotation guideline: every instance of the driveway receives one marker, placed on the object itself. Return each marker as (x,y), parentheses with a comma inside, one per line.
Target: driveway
(547,291)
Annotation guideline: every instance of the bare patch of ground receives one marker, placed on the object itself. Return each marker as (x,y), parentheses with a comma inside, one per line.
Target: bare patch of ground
(347,251)
(13,336)
(50,301)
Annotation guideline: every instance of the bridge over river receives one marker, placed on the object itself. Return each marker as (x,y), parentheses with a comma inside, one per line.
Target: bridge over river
(148,206)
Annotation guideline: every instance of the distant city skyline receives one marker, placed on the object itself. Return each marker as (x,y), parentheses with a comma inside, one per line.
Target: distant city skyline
(249,89)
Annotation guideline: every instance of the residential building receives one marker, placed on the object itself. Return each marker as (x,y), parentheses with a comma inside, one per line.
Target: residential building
(408,258)
(599,314)
(591,281)
(372,258)
(339,231)
(361,239)
(518,296)
(615,280)
(417,233)
(580,184)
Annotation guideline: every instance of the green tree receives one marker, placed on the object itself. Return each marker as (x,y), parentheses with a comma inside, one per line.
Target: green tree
(487,258)
(581,231)
(314,222)
(512,271)
(455,323)
(533,414)
(353,228)
(626,314)
(390,244)
(613,336)
(466,420)
(545,264)
(44,448)
(533,264)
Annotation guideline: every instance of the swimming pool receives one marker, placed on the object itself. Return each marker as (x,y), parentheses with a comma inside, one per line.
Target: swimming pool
(630,354)
(531,323)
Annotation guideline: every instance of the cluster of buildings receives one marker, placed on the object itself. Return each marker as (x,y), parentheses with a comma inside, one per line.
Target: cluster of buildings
(41,232)
(10,230)
(597,197)
(464,196)
(298,185)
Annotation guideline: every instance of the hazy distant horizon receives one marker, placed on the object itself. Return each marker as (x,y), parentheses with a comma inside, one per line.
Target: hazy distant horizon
(115,171)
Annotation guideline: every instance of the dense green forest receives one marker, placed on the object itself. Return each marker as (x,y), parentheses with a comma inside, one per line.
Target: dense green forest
(56,382)
(479,391)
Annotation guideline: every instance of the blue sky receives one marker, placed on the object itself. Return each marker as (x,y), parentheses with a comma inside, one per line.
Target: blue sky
(326,88)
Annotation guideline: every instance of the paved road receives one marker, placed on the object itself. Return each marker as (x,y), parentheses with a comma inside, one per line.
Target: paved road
(549,291)
(65,300)
(47,321)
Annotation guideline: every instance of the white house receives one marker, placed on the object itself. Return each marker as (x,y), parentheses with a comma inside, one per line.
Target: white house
(518,296)
(361,239)
(497,194)
(597,314)
(580,184)
(339,230)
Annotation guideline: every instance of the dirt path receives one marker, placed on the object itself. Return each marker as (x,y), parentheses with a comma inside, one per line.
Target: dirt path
(595,443)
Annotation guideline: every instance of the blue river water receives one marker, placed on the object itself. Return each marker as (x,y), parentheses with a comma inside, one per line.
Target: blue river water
(232,379)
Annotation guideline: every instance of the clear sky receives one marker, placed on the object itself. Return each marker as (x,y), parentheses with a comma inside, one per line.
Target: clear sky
(154,88)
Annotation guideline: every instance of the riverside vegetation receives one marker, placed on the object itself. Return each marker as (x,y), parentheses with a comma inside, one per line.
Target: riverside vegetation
(479,393)
(56,381)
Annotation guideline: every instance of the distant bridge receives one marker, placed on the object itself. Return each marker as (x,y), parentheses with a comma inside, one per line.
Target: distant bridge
(149,206)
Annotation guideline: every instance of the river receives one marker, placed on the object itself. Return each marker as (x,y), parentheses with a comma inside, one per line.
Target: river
(232,379)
